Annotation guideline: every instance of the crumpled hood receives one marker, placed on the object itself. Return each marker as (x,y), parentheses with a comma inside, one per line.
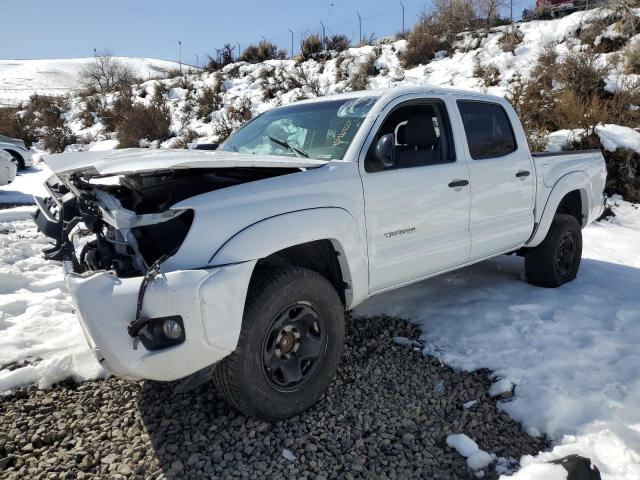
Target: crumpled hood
(133,160)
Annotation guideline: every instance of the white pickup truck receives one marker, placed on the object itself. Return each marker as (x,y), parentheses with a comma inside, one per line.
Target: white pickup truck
(242,261)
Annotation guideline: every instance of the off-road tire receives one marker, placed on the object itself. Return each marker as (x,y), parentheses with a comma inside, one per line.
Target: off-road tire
(541,262)
(242,378)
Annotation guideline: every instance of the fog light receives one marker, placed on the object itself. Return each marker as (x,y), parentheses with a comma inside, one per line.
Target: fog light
(171,329)
(162,332)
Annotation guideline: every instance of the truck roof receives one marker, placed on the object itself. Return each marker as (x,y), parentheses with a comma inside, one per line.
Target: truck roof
(390,93)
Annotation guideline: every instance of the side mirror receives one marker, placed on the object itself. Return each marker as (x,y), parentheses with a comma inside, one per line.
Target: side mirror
(385,150)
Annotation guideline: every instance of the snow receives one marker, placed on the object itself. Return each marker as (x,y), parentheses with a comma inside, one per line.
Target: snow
(28,182)
(19,79)
(613,137)
(572,351)
(476,459)
(289,455)
(500,387)
(37,322)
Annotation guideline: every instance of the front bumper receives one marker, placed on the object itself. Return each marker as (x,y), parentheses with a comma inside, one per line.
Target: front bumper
(210,302)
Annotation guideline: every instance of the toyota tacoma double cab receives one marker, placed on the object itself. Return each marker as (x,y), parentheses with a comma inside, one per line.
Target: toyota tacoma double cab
(241,262)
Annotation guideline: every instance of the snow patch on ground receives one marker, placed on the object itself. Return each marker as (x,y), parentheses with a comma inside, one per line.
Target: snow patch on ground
(476,459)
(40,338)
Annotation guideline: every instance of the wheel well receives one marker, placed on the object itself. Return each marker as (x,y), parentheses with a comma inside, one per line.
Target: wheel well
(17,156)
(319,256)
(571,204)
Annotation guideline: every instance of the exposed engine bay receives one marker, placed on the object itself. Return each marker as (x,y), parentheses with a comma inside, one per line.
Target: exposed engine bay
(124,223)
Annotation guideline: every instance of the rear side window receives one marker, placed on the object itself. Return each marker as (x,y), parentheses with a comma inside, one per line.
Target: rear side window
(488,130)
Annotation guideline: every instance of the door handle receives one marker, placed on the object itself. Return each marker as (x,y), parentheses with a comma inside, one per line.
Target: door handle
(523,173)
(458,183)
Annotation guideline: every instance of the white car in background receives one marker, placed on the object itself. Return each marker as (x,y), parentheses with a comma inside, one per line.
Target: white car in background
(8,168)
(18,150)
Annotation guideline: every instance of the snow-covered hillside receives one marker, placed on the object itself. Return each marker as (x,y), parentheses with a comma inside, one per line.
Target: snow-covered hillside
(19,79)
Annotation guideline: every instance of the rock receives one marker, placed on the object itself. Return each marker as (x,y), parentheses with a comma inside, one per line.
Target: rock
(124,469)
(108,459)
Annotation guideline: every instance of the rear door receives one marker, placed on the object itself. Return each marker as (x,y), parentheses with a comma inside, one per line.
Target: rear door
(417,211)
(501,178)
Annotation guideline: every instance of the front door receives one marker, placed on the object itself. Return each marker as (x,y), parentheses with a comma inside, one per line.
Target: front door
(417,210)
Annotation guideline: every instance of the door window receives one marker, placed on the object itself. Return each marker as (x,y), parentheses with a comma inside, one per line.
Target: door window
(421,134)
(488,130)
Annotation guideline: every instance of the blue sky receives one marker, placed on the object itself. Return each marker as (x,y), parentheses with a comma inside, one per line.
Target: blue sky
(142,28)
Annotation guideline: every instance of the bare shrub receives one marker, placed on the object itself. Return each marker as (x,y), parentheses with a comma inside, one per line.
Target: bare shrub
(489,10)
(311,47)
(583,73)
(186,138)
(487,72)
(142,122)
(623,173)
(511,39)
(632,57)
(209,100)
(261,52)
(575,111)
(107,74)
(300,76)
(359,79)
(12,125)
(338,43)
(223,57)
(422,45)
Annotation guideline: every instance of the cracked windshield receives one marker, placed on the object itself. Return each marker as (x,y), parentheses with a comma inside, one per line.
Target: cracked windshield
(322,130)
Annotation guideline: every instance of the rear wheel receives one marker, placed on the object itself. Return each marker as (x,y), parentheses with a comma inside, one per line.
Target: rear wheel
(289,347)
(556,260)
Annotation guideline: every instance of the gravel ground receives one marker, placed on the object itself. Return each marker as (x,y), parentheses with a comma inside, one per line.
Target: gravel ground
(386,415)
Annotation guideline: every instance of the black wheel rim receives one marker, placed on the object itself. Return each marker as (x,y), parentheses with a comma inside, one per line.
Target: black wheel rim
(294,346)
(565,255)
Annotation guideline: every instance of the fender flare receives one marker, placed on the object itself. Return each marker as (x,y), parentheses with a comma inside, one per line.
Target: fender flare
(275,233)
(565,184)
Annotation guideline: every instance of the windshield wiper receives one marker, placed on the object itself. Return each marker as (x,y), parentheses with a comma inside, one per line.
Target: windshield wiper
(296,150)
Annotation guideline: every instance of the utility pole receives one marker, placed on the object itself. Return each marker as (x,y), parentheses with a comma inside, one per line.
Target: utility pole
(359,27)
(197,61)
(238,44)
(511,13)
(180,55)
(402,4)
(324,37)
(291,42)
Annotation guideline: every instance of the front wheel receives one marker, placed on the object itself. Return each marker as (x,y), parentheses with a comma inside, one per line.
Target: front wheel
(289,347)
(556,260)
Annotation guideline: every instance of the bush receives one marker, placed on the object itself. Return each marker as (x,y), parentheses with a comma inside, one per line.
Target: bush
(623,173)
(511,39)
(185,139)
(210,99)
(107,74)
(299,77)
(632,57)
(224,56)
(338,43)
(422,45)
(582,73)
(141,122)
(56,138)
(488,73)
(359,79)
(261,52)
(311,47)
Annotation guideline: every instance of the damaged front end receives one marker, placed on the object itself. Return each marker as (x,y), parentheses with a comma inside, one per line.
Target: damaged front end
(113,234)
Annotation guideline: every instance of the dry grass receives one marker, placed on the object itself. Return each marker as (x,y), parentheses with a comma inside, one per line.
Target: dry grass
(487,72)
(261,52)
(359,79)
